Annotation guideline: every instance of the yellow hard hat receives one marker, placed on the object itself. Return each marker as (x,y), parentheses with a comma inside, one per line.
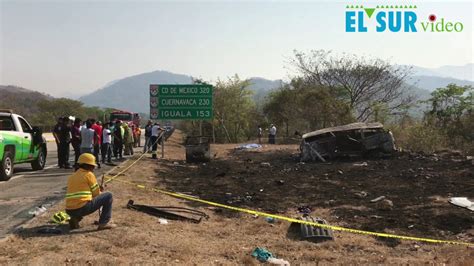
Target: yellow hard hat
(87,158)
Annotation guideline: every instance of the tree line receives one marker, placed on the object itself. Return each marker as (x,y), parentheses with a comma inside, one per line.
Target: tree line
(329,90)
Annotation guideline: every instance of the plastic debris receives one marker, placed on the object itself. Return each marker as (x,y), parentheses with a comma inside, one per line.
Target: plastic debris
(37,211)
(248,146)
(361,194)
(270,220)
(162,221)
(360,164)
(278,261)
(378,199)
(262,254)
(265,164)
(462,202)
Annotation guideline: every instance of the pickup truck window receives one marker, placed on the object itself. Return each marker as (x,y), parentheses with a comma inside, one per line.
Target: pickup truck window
(6,123)
(24,125)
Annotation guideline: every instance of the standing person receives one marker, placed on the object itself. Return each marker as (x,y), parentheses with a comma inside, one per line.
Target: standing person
(155,133)
(57,128)
(131,139)
(126,139)
(84,196)
(112,128)
(134,137)
(148,127)
(259,134)
(272,134)
(97,127)
(76,138)
(88,138)
(106,141)
(138,135)
(63,138)
(118,140)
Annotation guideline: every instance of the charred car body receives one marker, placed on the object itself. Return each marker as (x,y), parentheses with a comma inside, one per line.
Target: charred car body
(347,140)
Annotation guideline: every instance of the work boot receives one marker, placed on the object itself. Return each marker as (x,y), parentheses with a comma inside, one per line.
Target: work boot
(106,226)
(74,223)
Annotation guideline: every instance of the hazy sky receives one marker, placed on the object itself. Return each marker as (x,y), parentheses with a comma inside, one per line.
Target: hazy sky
(75,47)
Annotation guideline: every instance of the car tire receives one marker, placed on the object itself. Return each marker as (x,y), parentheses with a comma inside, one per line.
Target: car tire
(6,166)
(39,163)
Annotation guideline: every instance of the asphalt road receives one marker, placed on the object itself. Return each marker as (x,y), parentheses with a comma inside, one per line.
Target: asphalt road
(28,189)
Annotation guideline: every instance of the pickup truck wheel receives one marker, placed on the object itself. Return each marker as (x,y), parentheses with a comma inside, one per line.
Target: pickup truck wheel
(6,166)
(39,163)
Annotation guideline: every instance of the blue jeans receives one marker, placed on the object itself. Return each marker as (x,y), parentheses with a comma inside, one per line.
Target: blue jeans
(103,200)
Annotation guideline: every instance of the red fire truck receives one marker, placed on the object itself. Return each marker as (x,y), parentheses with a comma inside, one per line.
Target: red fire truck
(125,116)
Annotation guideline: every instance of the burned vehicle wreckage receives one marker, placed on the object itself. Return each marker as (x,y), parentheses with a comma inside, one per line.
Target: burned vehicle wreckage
(348,140)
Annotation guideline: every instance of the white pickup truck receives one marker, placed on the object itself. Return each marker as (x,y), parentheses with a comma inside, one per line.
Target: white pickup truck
(19,143)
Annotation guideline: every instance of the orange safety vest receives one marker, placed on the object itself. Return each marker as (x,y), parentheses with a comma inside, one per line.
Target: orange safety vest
(81,188)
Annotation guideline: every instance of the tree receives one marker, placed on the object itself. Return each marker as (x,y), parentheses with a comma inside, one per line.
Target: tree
(452,110)
(50,109)
(233,109)
(282,107)
(362,83)
(450,104)
(303,106)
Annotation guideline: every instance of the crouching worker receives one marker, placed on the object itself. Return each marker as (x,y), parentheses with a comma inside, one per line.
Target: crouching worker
(84,196)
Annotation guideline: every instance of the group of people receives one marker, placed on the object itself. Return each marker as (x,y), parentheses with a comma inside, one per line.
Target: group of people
(153,137)
(93,137)
(271,134)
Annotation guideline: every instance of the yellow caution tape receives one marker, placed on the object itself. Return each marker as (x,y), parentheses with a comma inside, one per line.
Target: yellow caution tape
(292,220)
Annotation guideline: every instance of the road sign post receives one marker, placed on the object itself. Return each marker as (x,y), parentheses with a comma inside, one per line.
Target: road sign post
(181,102)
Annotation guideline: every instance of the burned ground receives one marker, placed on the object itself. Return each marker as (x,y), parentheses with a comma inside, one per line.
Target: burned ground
(416,188)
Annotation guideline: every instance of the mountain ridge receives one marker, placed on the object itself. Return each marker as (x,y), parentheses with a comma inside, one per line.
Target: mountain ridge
(131,93)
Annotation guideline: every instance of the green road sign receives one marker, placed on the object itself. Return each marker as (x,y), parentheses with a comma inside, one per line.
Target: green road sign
(178,102)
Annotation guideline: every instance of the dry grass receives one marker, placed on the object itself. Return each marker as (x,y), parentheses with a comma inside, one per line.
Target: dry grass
(221,240)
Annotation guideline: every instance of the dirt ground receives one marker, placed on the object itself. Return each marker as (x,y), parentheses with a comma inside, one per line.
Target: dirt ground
(416,189)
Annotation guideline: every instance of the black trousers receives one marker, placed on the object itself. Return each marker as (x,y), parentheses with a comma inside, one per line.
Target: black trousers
(118,148)
(106,152)
(63,154)
(96,152)
(77,151)
(271,139)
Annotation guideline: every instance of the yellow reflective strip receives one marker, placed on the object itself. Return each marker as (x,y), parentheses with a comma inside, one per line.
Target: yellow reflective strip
(78,194)
(94,187)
